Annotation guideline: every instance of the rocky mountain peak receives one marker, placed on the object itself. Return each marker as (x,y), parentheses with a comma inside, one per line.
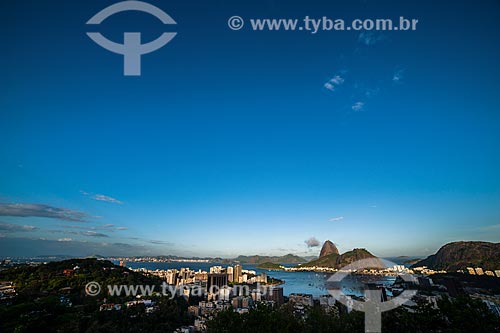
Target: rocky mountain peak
(328,248)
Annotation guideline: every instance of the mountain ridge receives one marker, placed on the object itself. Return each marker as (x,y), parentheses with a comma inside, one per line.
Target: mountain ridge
(463,254)
(258,259)
(336,260)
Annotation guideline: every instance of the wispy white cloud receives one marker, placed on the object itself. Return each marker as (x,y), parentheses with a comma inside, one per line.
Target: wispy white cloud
(152,241)
(26,246)
(334,83)
(93,234)
(7,227)
(312,242)
(398,76)
(101,197)
(159,242)
(358,106)
(105,227)
(336,219)
(88,233)
(370,38)
(337,79)
(40,210)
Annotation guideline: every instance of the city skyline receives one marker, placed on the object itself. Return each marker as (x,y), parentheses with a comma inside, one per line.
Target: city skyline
(246,142)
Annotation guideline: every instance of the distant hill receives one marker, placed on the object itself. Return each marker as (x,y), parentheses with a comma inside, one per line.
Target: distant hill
(256,259)
(459,255)
(174,258)
(270,266)
(340,260)
(411,261)
(97,256)
(48,278)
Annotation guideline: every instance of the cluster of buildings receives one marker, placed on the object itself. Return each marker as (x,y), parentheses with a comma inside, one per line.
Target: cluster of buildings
(149,305)
(480,271)
(237,299)
(395,270)
(205,310)
(7,291)
(218,275)
(469,270)
(223,288)
(5,263)
(436,287)
(424,270)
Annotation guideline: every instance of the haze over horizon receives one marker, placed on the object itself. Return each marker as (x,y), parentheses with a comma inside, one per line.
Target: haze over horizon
(243,142)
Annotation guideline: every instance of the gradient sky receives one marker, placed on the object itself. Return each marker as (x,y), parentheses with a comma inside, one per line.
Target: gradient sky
(245,142)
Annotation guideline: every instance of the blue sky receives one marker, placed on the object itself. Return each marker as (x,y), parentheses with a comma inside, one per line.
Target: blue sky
(247,142)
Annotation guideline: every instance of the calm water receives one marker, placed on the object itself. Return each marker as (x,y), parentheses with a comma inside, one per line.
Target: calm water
(295,282)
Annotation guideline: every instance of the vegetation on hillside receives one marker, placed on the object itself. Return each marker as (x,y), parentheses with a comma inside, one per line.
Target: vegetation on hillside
(270,266)
(51,298)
